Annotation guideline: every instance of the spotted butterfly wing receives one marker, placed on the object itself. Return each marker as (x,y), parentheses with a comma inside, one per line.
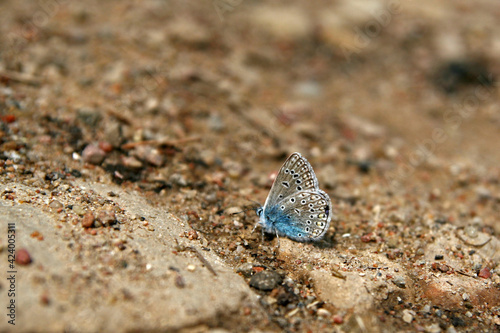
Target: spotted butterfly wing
(308,219)
(295,175)
(296,207)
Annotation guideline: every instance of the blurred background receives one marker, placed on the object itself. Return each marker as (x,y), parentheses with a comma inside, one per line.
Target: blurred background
(166,94)
(197,104)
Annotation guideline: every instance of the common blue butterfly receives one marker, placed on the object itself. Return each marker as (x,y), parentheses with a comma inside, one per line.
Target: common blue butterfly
(296,207)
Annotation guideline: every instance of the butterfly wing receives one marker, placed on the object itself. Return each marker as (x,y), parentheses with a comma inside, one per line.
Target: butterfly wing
(303,216)
(295,175)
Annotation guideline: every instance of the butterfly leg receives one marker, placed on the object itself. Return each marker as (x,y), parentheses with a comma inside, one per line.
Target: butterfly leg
(255,227)
(278,237)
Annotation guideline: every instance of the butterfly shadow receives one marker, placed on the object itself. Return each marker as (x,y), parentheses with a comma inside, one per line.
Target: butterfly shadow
(328,242)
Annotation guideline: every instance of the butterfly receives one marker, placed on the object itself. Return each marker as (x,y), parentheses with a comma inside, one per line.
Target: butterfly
(295,207)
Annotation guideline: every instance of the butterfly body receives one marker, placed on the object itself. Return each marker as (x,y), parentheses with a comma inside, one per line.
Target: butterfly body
(296,207)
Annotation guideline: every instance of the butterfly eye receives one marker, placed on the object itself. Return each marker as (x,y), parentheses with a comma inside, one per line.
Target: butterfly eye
(259,212)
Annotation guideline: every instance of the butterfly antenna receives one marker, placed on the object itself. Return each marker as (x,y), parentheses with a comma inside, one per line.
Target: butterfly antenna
(250,208)
(243,211)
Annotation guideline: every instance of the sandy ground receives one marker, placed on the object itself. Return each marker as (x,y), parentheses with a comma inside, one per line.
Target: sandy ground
(130,132)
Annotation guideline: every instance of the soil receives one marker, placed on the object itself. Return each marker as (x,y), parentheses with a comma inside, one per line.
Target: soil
(138,138)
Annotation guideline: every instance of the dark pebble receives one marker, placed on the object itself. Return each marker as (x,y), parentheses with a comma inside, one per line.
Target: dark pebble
(266,280)
(399,281)
(285,296)
(457,321)
(438,257)
(75,173)
(364,166)
(179,281)
(51,176)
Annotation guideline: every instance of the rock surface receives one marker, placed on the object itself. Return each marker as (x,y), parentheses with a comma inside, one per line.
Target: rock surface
(78,280)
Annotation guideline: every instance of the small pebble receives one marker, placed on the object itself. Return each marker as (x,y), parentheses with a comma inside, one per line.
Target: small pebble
(471,231)
(131,162)
(407,316)
(426,309)
(88,220)
(265,280)
(55,204)
(484,273)
(338,319)
(211,197)
(154,157)
(23,257)
(324,313)
(433,328)
(113,134)
(232,210)
(93,154)
(77,209)
(44,299)
(178,179)
(105,146)
(399,281)
(106,217)
(179,281)
(191,268)
(245,269)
